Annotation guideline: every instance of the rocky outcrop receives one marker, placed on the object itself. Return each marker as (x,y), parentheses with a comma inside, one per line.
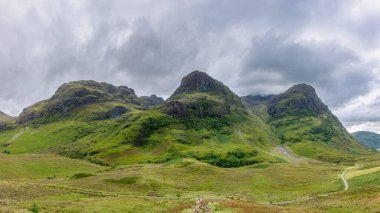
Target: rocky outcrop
(114,113)
(4,126)
(202,96)
(200,82)
(201,107)
(300,99)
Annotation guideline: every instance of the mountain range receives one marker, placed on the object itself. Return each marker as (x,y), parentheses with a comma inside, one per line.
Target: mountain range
(202,119)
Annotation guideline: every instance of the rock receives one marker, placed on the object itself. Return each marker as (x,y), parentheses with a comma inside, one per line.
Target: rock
(201,96)
(200,82)
(114,112)
(300,99)
(199,107)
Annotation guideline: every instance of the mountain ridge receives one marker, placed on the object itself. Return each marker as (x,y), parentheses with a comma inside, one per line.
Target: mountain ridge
(203,119)
(367,138)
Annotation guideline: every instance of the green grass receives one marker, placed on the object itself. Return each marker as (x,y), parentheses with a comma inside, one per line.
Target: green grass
(42,166)
(98,189)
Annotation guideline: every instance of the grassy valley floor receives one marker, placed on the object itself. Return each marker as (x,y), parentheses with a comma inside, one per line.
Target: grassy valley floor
(53,183)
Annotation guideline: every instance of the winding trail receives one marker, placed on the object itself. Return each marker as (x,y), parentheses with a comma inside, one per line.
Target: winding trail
(344,181)
(295,159)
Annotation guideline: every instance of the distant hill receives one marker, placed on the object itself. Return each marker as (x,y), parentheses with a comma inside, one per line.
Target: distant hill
(5,117)
(302,121)
(369,139)
(70,97)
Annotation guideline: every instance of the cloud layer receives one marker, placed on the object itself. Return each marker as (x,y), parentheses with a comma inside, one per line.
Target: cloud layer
(261,46)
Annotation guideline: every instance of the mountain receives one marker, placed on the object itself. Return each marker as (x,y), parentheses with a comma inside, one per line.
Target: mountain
(300,99)
(258,104)
(5,117)
(202,96)
(202,119)
(73,96)
(108,124)
(307,126)
(369,139)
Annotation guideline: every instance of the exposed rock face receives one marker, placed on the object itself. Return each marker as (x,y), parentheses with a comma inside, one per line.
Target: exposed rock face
(114,112)
(4,126)
(200,107)
(200,82)
(299,99)
(202,96)
(76,94)
(254,100)
(151,101)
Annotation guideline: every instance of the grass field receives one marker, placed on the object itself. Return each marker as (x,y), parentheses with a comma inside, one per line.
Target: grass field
(58,184)
(52,183)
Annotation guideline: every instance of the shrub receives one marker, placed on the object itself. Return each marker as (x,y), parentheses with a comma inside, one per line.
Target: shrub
(150,126)
(81,175)
(126,180)
(34,208)
(236,158)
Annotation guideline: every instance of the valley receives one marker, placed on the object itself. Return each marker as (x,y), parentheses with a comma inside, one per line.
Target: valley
(96,147)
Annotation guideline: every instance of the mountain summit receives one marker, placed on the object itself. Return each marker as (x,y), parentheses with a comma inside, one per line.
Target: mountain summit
(79,94)
(299,99)
(202,96)
(304,122)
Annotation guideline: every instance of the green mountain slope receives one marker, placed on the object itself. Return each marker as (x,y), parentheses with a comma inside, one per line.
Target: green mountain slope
(4,117)
(307,126)
(106,124)
(203,119)
(369,139)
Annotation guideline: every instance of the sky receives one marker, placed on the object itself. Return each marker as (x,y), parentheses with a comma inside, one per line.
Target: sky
(254,47)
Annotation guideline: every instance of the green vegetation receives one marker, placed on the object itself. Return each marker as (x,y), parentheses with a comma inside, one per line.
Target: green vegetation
(81,175)
(101,148)
(369,139)
(34,208)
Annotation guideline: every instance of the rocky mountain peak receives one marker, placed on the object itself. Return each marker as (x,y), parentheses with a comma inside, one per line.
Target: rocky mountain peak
(197,81)
(299,99)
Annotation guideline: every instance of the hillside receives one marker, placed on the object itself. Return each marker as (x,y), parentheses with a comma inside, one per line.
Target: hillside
(109,125)
(369,139)
(5,117)
(202,119)
(100,147)
(304,123)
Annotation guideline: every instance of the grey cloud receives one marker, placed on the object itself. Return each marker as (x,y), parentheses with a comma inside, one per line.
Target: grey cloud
(149,46)
(283,61)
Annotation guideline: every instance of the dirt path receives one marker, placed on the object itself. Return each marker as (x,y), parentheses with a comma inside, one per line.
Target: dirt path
(344,181)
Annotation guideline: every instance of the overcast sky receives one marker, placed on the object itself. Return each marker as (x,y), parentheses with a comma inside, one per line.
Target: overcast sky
(254,47)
